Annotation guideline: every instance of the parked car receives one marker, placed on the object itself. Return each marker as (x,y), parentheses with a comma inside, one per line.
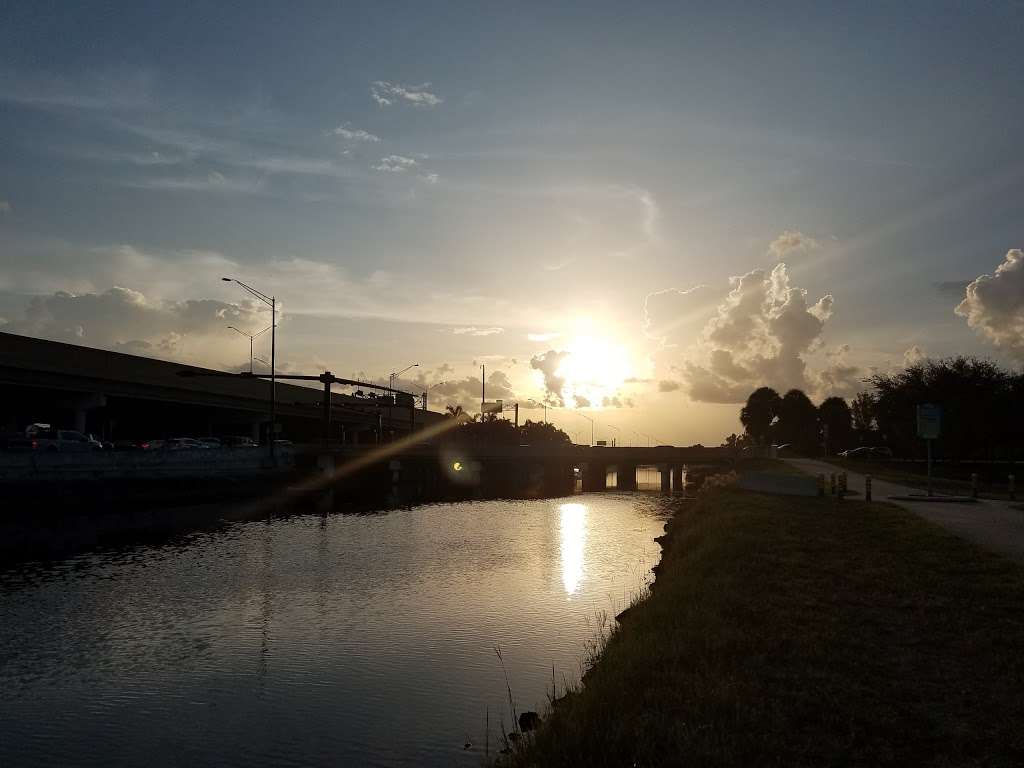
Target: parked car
(237,441)
(15,441)
(184,444)
(866,452)
(60,440)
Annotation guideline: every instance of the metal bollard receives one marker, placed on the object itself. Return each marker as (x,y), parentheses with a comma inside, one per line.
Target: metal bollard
(867,487)
(1013,489)
(974,485)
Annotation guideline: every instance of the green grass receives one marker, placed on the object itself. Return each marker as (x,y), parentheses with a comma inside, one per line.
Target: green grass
(788,631)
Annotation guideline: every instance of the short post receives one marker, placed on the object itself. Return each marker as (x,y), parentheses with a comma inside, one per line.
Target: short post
(842,484)
(1013,488)
(821,485)
(832,483)
(867,487)
(974,485)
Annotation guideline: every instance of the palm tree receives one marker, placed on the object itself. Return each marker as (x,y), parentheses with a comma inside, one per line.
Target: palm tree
(455,411)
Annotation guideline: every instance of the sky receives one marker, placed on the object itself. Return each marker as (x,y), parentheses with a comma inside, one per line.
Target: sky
(632,213)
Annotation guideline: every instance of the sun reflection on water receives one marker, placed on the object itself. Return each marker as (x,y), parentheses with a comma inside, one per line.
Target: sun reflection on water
(573,529)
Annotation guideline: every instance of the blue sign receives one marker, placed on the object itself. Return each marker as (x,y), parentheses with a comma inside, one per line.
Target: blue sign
(929,420)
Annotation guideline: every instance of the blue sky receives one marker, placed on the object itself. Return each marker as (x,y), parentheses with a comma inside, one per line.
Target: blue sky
(472,183)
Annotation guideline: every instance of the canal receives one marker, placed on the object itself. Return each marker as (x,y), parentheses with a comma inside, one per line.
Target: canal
(315,639)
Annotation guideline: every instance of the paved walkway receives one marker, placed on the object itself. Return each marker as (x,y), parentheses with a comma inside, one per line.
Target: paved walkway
(992,524)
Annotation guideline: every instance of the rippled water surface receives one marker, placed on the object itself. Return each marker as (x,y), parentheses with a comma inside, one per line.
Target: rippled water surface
(340,639)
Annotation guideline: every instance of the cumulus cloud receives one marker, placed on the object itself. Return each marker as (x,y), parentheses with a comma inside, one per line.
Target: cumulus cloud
(124,320)
(838,377)
(387,94)
(792,243)
(581,401)
(994,304)
(914,355)
(668,312)
(760,334)
(466,391)
(548,364)
(472,330)
(347,132)
(668,385)
(429,178)
(395,164)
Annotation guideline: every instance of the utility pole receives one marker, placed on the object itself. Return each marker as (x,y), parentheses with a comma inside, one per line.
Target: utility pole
(517,415)
(483,390)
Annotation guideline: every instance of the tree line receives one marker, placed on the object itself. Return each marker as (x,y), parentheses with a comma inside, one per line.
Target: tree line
(982,413)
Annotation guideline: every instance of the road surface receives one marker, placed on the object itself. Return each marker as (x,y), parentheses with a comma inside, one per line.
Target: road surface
(992,524)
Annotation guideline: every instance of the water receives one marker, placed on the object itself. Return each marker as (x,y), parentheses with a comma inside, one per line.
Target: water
(312,640)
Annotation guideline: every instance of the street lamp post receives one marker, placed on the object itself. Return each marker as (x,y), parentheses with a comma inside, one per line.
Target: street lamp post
(612,426)
(270,301)
(591,426)
(427,390)
(396,374)
(250,337)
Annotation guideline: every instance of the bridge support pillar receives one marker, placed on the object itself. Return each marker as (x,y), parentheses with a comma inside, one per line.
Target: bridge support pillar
(625,477)
(594,477)
(677,480)
(666,478)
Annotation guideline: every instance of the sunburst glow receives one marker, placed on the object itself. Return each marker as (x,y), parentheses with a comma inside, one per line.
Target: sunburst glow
(594,370)
(573,530)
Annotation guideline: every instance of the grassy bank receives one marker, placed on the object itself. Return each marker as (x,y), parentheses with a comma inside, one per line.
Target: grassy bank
(787,631)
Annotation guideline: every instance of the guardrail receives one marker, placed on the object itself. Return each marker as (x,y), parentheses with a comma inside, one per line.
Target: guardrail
(189,463)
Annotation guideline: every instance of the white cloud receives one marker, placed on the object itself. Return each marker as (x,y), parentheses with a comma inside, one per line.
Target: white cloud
(430,178)
(792,243)
(349,133)
(472,330)
(914,355)
(994,304)
(126,320)
(548,364)
(668,312)
(387,94)
(395,164)
(466,391)
(759,335)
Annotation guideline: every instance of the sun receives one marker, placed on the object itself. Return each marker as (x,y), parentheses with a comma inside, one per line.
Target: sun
(594,370)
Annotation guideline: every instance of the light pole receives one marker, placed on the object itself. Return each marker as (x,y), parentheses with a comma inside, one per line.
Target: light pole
(612,426)
(591,426)
(250,337)
(396,374)
(427,390)
(270,301)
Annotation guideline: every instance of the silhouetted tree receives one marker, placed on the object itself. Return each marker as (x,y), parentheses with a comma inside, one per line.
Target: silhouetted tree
(836,424)
(542,433)
(798,422)
(863,411)
(758,414)
(980,407)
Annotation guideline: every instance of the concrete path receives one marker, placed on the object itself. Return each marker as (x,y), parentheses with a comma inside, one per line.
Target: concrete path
(992,524)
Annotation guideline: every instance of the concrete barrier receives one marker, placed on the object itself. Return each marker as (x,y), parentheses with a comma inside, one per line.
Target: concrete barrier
(59,467)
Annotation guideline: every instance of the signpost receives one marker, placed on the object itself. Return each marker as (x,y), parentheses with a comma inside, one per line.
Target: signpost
(929,423)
